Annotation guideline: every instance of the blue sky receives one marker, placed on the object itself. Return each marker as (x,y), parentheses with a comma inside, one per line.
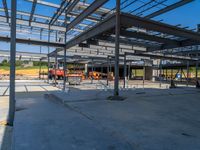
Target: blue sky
(188,15)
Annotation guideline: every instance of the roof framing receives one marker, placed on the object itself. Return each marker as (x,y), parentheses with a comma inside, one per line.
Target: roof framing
(128,21)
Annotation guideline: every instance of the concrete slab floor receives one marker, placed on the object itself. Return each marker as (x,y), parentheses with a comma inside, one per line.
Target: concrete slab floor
(5,131)
(21,87)
(149,119)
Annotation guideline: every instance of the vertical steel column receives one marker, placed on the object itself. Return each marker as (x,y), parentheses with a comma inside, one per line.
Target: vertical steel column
(64,70)
(65,59)
(48,54)
(12,63)
(196,76)
(124,70)
(166,75)
(117,35)
(40,53)
(188,72)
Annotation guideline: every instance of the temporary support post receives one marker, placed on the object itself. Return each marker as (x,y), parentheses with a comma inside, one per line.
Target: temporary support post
(110,65)
(107,68)
(92,72)
(55,69)
(102,68)
(125,78)
(74,65)
(181,74)
(56,36)
(129,71)
(196,76)
(188,72)
(172,85)
(117,34)
(160,73)
(12,63)
(143,74)
(40,69)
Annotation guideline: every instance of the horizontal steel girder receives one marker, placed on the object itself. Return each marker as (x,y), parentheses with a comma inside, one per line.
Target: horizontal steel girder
(129,21)
(88,11)
(163,56)
(169,8)
(34,42)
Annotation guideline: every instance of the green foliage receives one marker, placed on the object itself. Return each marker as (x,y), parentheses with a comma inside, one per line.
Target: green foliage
(37,63)
(5,63)
(20,63)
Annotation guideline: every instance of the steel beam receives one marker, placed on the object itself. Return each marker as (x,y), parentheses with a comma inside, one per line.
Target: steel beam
(182,43)
(34,42)
(169,8)
(163,56)
(129,42)
(128,21)
(105,25)
(12,63)
(71,7)
(64,4)
(89,10)
(5,7)
(81,5)
(22,13)
(32,11)
(139,35)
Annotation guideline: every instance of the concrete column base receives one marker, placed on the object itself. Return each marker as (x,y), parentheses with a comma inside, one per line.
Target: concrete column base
(116,98)
(172,84)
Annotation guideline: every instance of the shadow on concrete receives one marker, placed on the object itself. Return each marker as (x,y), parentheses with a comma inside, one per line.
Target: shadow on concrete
(6,137)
